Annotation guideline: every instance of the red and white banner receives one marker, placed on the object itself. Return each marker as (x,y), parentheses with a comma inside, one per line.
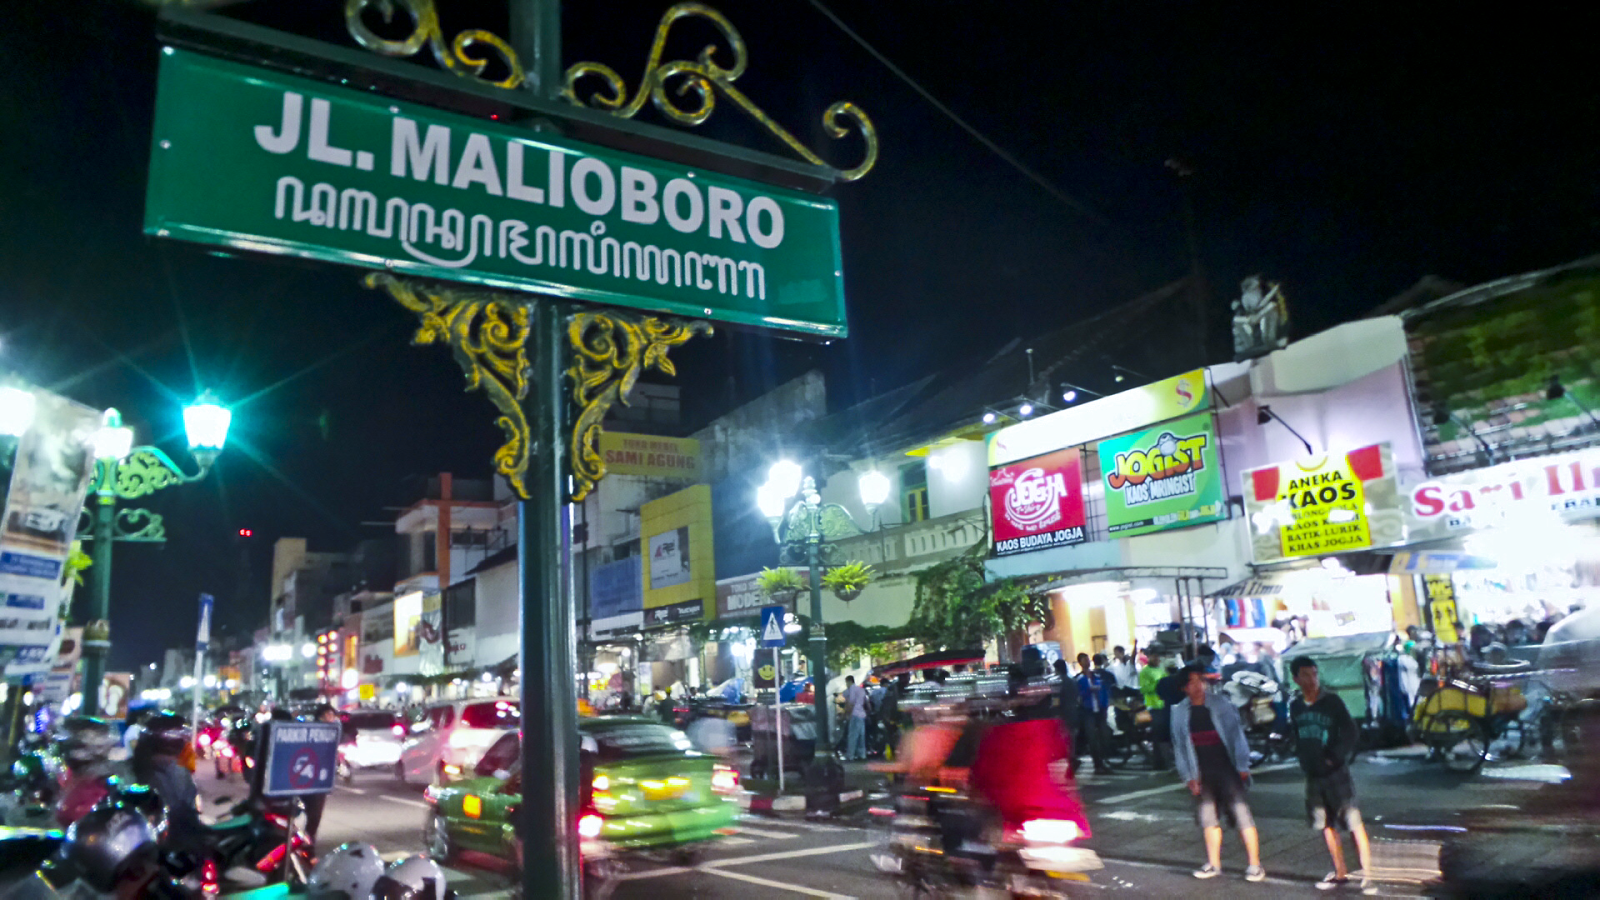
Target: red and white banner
(1037,503)
(1525,493)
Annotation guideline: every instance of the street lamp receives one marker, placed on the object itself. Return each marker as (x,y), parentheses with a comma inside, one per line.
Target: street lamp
(16,411)
(126,472)
(806,533)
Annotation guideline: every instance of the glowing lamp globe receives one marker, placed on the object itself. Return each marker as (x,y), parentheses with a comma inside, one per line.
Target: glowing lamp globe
(770,501)
(113,441)
(874,486)
(16,411)
(784,478)
(206,423)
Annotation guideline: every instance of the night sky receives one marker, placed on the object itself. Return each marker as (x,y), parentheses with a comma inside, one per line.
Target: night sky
(1345,153)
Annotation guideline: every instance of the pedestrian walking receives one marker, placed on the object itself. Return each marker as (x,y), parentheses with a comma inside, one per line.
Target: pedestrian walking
(1094,699)
(315,803)
(1325,735)
(855,703)
(1213,759)
(1123,668)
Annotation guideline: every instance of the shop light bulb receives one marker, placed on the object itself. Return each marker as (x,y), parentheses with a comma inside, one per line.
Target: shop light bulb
(1069,396)
(1026,409)
(988,418)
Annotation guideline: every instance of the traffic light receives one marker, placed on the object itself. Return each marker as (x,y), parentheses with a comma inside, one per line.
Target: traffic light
(246,532)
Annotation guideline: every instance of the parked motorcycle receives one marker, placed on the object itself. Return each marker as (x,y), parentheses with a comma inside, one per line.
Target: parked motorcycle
(1255,696)
(1135,732)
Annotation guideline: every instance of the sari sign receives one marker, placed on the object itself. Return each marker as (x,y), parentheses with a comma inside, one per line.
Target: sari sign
(1037,503)
(253,159)
(1560,488)
(1322,505)
(1164,477)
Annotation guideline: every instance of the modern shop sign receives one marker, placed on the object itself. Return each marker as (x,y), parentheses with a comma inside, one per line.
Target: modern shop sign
(1037,503)
(647,456)
(1325,504)
(253,159)
(1554,488)
(1157,402)
(1160,478)
(741,598)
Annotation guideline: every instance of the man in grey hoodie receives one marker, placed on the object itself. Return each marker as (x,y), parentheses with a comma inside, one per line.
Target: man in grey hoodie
(1213,757)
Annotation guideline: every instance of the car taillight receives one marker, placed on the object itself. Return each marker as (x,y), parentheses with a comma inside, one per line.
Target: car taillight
(724,780)
(205,739)
(589,826)
(399,731)
(1050,831)
(208,878)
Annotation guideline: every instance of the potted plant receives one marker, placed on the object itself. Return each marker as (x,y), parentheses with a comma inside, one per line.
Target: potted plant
(779,584)
(846,581)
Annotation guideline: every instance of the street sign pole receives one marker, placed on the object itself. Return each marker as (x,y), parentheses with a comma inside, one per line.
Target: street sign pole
(777,711)
(772,636)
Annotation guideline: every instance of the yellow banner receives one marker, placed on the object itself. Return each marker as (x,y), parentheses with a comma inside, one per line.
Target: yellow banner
(1322,505)
(648,456)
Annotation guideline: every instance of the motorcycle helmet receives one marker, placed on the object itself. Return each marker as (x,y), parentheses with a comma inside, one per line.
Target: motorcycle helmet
(164,735)
(349,872)
(414,877)
(85,740)
(108,843)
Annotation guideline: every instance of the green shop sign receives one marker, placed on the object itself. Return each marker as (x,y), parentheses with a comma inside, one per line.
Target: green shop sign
(256,160)
(1164,477)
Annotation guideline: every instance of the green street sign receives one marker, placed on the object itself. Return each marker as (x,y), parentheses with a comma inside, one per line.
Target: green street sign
(1166,476)
(253,159)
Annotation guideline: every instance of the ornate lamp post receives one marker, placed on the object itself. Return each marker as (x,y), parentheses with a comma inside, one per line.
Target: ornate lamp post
(125,472)
(806,534)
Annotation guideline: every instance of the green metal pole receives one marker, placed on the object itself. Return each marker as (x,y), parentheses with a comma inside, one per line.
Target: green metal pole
(97,631)
(818,645)
(550,865)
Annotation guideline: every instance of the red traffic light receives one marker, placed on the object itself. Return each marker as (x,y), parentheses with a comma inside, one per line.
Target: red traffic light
(246,532)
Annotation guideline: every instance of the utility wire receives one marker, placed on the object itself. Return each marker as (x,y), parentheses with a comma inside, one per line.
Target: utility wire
(978,136)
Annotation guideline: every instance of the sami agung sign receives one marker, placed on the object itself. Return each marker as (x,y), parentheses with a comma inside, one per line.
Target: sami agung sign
(1163,477)
(258,160)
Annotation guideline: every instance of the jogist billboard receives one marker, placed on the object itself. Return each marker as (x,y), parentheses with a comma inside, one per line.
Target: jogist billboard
(1164,477)
(1037,503)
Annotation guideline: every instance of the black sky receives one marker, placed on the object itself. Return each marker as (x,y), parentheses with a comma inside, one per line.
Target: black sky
(1345,152)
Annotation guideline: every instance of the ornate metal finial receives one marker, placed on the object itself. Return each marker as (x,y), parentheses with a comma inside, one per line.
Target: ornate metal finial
(609,352)
(488,333)
(706,79)
(456,56)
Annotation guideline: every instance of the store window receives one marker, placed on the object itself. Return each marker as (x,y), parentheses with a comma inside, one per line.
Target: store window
(914,492)
(461,605)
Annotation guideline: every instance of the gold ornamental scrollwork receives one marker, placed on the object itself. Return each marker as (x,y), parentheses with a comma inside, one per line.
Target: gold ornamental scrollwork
(457,55)
(609,352)
(705,78)
(488,334)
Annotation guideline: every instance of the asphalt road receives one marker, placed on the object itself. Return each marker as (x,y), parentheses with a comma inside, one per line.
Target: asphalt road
(1143,820)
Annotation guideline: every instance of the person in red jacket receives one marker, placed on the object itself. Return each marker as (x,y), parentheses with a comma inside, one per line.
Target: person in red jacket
(1021,767)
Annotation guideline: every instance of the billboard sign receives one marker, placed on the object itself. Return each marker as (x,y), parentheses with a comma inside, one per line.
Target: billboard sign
(1165,477)
(1562,487)
(1166,399)
(1037,503)
(669,558)
(679,578)
(648,456)
(1324,504)
(250,158)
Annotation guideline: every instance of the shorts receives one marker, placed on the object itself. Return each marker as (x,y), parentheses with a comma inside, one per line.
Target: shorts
(1211,802)
(1331,801)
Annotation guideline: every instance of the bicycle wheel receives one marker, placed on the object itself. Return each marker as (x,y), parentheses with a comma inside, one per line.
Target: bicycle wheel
(1460,740)
(1511,740)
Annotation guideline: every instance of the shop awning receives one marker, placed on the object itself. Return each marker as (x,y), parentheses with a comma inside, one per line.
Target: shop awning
(930,661)
(1249,587)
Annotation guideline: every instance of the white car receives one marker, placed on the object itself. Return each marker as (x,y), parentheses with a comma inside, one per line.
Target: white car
(372,740)
(446,743)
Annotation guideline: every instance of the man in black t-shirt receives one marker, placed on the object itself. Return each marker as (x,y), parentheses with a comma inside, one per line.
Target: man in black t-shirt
(1325,734)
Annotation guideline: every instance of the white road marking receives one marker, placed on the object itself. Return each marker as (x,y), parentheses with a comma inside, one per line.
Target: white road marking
(813,826)
(733,841)
(778,885)
(402,800)
(1179,786)
(777,835)
(352,790)
(788,854)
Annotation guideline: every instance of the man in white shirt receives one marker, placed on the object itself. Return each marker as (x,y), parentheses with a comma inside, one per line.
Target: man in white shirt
(1123,668)
(855,704)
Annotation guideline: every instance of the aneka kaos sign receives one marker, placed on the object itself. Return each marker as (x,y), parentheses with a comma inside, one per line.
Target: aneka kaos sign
(1037,503)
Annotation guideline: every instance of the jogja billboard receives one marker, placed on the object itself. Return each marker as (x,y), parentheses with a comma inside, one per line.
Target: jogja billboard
(1037,503)
(1163,477)
(1324,504)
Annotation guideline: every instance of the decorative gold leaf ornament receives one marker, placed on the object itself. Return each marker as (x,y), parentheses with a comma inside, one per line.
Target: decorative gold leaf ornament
(488,334)
(457,56)
(705,78)
(609,352)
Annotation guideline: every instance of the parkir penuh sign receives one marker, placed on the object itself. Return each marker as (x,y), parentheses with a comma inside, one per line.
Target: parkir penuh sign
(1324,504)
(253,159)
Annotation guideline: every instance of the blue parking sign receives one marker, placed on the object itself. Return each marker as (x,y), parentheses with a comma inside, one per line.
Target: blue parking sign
(301,758)
(772,627)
